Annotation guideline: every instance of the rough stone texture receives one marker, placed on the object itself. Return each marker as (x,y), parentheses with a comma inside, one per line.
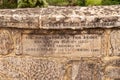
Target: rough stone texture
(113,72)
(6,42)
(64,44)
(62,17)
(112,61)
(60,43)
(87,69)
(27,68)
(115,42)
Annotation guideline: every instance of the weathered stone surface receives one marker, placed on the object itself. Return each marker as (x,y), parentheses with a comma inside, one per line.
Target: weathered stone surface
(112,61)
(87,70)
(78,43)
(20,18)
(62,17)
(29,68)
(78,18)
(53,43)
(59,43)
(113,72)
(6,42)
(115,42)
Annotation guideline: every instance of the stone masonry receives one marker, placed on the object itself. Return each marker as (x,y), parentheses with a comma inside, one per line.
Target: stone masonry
(60,43)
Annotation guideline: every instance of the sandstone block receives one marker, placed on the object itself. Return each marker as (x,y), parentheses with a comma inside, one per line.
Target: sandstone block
(6,42)
(73,44)
(113,72)
(115,42)
(112,61)
(29,68)
(19,18)
(86,70)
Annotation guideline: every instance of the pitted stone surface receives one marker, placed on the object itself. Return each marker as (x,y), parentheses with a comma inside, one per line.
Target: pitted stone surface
(28,68)
(87,69)
(112,61)
(60,43)
(113,72)
(61,17)
(78,43)
(6,42)
(115,42)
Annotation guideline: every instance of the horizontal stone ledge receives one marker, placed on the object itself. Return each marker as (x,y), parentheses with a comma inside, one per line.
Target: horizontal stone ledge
(61,17)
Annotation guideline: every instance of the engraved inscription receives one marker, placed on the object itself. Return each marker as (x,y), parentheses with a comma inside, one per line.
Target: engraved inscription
(61,21)
(76,25)
(52,44)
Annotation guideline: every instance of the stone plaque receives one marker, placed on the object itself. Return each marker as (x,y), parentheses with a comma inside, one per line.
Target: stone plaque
(63,44)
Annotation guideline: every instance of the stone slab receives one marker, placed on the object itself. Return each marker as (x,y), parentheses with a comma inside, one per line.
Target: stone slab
(64,44)
(112,61)
(86,70)
(113,72)
(6,42)
(19,18)
(61,17)
(115,42)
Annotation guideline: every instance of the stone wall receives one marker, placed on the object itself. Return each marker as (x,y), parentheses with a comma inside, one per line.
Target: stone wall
(60,43)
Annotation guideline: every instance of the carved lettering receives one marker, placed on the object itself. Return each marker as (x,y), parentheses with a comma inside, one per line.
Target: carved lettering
(52,44)
(76,25)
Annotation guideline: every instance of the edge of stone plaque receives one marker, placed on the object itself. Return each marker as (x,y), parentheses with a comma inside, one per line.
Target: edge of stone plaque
(55,17)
